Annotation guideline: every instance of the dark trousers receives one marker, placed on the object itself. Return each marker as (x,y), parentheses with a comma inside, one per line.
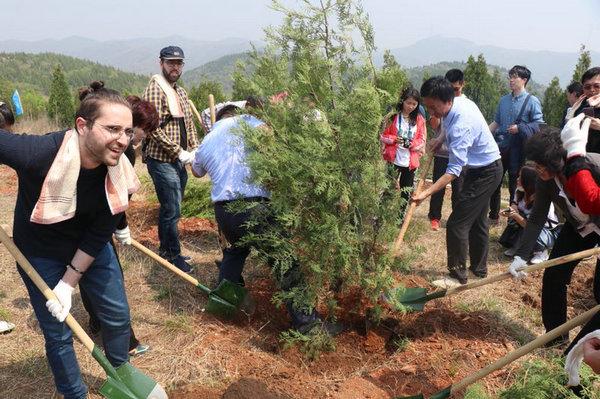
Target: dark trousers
(169,182)
(235,226)
(406,180)
(437,199)
(94,321)
(467,230)
(513,173)
(557,278)
(103,283)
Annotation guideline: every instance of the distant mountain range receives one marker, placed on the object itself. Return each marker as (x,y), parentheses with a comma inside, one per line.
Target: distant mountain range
(132,55)
(141,55)
(544,65)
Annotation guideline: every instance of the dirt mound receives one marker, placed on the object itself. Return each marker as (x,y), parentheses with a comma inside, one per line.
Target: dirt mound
(249,388)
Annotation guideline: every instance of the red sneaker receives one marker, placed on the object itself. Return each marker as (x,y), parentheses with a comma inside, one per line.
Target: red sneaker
(435,224)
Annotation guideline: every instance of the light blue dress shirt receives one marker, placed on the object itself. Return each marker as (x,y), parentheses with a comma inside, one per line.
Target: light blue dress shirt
(508,110)
(468,137)
(222,154)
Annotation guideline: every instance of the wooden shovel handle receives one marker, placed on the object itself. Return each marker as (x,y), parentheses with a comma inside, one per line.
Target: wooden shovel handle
(163,262)
(525,349)
(211,107)
(412,207)
(195,111)
(43,287)
(528,269)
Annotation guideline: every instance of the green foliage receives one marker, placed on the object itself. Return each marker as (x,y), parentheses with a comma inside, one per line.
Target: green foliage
(583,64)
(312,344)
(60,102)
(554,104)
(546,379)
(391,80)
(34,71)
(482,87)
(327,179)
(196,202)
(199,94)
(34,104)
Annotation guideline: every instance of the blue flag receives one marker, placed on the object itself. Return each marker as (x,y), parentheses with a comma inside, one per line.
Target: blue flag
(16,99)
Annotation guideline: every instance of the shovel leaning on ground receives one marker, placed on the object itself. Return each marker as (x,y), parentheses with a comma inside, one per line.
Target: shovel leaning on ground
(415,298)
(511,357)
(123,382)
(225,300)
(411,208)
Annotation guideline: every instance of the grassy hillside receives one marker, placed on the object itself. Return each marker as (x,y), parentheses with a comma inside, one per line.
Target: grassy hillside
(219,70)
(34,72)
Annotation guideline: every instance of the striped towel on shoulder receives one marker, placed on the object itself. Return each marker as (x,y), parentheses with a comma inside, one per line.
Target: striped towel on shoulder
(58,197)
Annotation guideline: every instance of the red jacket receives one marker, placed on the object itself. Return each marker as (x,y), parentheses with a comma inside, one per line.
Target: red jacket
(388,138)
(586,192)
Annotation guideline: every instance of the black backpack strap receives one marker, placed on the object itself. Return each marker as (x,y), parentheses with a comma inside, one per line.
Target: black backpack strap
(518,120)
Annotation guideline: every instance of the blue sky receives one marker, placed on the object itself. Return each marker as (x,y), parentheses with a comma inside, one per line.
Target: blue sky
(558,25)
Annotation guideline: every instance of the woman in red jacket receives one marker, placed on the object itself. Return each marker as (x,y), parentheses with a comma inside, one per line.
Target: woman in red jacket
(403,141)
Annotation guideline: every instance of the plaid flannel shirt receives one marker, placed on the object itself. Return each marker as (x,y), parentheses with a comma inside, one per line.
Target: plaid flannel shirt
(163,143)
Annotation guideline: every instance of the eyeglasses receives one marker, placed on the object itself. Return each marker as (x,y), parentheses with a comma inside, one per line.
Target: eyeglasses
(588,87)
(117,131)
(175,63)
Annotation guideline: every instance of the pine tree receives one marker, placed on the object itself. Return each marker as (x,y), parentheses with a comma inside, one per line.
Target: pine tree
(199,94)
(391,80)
(60,103)
(327,178)
(481,87)
(583,64)
(554,104)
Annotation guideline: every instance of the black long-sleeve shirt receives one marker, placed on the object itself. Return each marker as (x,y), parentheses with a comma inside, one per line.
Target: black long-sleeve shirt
(93,224)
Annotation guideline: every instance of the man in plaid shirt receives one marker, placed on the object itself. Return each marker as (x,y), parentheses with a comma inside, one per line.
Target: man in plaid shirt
(168,149)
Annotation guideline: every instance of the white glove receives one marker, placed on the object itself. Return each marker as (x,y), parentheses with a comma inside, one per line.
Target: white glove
(123,236)
(574,135)
(516,266)
(186,156)
(60,309)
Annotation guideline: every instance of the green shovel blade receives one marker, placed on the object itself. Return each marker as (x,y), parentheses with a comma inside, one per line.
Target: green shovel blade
(127,382)
(410,298)
(226,299)
(440,395)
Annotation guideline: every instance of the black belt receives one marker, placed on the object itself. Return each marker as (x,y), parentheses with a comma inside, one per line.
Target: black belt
(495,163)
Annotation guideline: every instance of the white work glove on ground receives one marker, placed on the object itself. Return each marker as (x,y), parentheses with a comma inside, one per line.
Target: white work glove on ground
(123,236)
(186,156)
(516,266)
(60,309)
(574,136)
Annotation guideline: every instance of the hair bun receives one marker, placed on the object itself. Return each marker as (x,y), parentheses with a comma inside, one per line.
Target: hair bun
(97,85)
(93,87)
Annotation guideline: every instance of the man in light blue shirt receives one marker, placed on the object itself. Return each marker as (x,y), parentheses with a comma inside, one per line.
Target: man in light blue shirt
(471,146)
(518,117)
(223,156)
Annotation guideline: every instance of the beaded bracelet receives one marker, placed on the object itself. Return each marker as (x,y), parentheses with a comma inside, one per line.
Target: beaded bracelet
(74,268)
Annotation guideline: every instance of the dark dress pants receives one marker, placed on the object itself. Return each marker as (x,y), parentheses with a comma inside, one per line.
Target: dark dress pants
(467,230)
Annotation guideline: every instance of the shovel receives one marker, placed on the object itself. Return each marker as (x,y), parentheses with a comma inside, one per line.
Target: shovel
(123,382)
(415,298)
(511,357)
(225,300)
(411,208)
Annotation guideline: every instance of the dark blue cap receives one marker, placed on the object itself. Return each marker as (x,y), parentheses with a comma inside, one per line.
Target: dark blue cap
(171,53)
